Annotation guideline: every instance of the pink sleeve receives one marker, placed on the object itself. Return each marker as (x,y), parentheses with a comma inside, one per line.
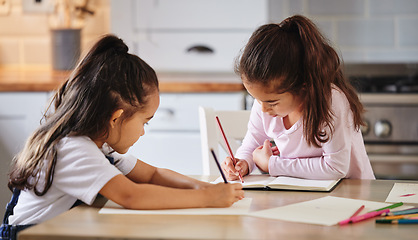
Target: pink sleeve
(254,137)
(335,160)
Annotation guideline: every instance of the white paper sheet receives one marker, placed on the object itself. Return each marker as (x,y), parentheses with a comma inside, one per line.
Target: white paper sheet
(241,207)
(326,211)
(403,192)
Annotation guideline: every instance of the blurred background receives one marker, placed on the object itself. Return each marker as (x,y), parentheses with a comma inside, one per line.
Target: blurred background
(192,44)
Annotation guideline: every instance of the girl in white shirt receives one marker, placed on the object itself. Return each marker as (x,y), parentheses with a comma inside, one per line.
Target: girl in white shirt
(303,103)
(101,110)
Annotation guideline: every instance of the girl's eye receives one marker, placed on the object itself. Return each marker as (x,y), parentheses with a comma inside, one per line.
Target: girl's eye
(147,123)
(272,105)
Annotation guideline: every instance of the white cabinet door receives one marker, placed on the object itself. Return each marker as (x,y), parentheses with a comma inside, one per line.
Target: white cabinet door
(199,14)
(20,114)
(187,35)
(202,51)
(172,138)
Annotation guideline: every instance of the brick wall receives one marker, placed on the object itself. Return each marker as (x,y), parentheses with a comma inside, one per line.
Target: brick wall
(25,38)
(362,30)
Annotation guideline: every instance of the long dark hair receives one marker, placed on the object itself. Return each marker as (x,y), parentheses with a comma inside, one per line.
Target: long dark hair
(294,57)
(107,78)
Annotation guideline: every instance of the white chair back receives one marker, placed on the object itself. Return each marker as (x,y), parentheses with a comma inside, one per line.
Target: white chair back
(234,124)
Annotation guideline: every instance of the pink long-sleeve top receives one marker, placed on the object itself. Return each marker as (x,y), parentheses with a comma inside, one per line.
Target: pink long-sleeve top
(343,156)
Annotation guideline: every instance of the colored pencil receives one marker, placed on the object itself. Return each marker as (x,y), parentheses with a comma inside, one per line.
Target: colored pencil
(219,166)
(358,211)
(368,215)
(398,221)
(401,216)
(401,212)
(348,220)
(389,207)
(234,161)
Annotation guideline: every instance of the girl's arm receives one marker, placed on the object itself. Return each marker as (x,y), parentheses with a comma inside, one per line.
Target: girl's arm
(148,187)
(145,173)
(254,137)
(133,195)
(334,162)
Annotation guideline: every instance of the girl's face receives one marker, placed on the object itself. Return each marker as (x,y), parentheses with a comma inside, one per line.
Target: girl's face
(127,132)
(276,105)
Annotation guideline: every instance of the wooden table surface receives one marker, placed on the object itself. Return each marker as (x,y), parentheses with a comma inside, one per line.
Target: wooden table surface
(84,222)
(41,79)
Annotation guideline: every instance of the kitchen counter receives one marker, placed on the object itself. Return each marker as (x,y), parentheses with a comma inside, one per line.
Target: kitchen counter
(39,80)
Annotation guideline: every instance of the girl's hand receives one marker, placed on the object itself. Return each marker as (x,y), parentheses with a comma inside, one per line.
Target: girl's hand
(231,171)
(261,156)
(275,150)
(224,194)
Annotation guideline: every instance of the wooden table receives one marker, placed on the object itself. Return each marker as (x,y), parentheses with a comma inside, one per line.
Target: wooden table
(84,222)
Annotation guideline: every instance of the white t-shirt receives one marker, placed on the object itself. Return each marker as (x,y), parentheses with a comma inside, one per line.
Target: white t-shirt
(81,171)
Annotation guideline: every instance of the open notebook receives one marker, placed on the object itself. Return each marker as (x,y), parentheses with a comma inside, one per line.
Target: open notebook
(267,182)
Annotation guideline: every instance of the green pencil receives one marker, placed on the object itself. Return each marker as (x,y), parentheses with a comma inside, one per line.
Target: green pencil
(389,207)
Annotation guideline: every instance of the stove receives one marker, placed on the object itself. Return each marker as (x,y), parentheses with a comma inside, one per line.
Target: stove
(389,93)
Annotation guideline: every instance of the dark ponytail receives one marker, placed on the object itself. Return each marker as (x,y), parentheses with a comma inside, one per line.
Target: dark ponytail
(108,78)
(295,57)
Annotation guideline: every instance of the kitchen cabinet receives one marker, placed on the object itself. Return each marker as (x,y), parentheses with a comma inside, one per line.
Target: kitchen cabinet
(20,114)
(172,138)
(187,35)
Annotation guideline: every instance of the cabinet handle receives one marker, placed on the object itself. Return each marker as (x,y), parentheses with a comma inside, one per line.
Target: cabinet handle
(200,49)
(165,113)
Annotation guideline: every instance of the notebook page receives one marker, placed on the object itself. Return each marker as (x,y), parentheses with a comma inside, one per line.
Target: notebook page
(252,180)
(282,180)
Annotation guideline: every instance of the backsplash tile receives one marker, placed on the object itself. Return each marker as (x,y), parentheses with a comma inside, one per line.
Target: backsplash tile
(336,8)
(25,38)
(408,32)
(366,33)
(364,30)
(390,7)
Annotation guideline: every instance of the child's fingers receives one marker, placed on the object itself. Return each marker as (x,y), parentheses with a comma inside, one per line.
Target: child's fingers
(267,143)
(242,167)
(229,169)
(228,164)
(275,150)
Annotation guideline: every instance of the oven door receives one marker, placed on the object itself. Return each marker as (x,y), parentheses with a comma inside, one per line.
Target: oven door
(391,134)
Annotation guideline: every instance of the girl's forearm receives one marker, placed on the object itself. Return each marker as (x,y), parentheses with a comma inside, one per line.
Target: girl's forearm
(169,178)
(149,196)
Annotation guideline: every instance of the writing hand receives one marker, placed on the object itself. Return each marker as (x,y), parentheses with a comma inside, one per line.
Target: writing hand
(224,195)
(231,171)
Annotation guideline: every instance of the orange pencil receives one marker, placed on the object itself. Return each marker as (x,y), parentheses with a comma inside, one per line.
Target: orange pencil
(234,161)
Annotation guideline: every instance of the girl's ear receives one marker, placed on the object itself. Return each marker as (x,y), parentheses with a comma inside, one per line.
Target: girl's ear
(116,116)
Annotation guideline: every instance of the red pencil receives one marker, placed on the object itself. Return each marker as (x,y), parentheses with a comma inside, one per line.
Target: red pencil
(358,211)
(234,161)
(349,220)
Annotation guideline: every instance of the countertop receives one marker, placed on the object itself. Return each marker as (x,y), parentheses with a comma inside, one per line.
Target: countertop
(40,80)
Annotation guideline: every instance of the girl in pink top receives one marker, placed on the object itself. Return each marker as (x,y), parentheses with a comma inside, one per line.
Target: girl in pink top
(303,103)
